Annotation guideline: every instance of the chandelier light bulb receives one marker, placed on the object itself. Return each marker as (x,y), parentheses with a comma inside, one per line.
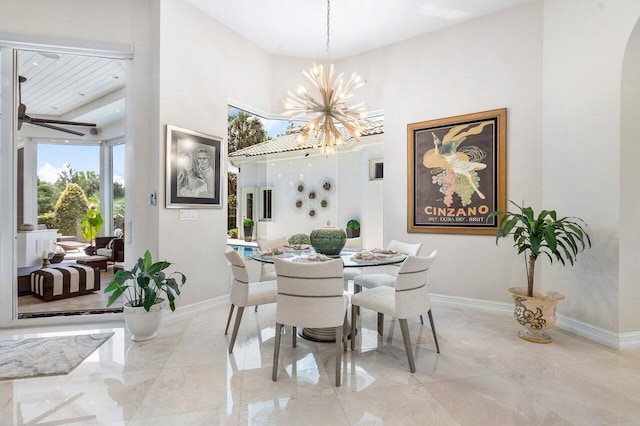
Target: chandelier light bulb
(329,113)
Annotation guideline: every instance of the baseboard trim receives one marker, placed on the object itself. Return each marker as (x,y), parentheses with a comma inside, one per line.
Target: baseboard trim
(187,310)
(619,341)
(476,304)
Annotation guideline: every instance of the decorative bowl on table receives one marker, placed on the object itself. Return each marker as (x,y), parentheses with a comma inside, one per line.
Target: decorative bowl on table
(328,240)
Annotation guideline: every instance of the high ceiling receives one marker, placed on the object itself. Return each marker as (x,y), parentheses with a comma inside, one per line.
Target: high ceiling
(298,28)
(91,89)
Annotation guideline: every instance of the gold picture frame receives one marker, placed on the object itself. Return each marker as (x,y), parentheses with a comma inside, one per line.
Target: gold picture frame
(457,173)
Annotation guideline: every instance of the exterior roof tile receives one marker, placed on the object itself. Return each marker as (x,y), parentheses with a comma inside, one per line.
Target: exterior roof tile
(288,142)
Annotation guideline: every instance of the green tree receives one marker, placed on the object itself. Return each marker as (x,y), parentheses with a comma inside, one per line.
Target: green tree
(48,194)
(118,190)
(70,208)
(88,181)
(245,130)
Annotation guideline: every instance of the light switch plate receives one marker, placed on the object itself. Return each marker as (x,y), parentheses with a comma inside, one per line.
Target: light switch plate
(188,215)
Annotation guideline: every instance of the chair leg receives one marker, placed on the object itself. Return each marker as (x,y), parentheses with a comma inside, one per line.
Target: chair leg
(276,352)
(236,326)
(404,327)
(294,333)
(380,323)
(338,353)
(421,320)
(226,330)
(256,308)
(354,312)
(345,329)
(433,330)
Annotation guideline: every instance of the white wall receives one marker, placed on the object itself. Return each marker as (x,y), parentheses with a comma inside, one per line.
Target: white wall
(629,295)
(352,196)
(584,45)
(202,65)
(488,63)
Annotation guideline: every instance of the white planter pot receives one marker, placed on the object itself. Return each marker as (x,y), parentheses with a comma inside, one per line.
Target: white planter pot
(536,314)
(141,324)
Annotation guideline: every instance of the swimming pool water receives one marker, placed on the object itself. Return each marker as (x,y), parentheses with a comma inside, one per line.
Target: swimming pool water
(244,251)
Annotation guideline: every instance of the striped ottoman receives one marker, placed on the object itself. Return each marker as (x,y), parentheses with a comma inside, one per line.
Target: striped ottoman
(64,281)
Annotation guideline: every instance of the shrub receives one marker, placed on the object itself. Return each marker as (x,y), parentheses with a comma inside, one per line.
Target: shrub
(297,239)
(353,224)
(48,219)
(233,233)
(247,222)
(70,207)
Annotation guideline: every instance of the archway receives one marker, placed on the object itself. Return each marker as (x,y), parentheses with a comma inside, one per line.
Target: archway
(629,319)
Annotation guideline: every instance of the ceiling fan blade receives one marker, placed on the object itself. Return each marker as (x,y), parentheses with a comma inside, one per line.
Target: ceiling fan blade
(48,126)
(68,123)
(22,111)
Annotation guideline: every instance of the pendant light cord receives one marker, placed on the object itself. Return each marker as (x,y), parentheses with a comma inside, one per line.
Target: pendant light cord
(328,27)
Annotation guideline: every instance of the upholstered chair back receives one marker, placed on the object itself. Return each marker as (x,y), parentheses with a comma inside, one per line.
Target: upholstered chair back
(271,244)
(412,286)
(354,242)
(406,248)
(310,294)
(240,286)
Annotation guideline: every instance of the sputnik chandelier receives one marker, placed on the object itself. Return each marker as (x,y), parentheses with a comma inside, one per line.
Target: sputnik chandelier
(331,112)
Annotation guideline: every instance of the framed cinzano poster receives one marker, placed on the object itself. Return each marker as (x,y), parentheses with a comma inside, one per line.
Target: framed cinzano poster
(457,173)
(193,169)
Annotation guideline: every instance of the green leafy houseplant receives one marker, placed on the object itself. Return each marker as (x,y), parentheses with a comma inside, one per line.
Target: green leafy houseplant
(149,282)
(90,224)
(247,225)
(353,228)
(559,239)
(353,224)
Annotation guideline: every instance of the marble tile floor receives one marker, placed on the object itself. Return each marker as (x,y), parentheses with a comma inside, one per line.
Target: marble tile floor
(484,375)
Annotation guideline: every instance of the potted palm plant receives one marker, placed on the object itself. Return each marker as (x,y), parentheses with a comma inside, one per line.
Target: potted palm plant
(144,306)
(534,235)
(90,224)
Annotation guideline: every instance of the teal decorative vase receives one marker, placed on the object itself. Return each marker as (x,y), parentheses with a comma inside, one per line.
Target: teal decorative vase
(328,240)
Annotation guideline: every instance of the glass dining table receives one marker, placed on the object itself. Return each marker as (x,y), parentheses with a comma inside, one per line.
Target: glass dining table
(351,258)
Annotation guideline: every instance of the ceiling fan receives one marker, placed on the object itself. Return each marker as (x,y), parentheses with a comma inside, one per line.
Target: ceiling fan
(45,122)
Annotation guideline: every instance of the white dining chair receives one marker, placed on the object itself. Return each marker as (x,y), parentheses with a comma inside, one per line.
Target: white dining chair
(245,293)
(407,298)
(267,271)
(388,278)
(310,295)
(350,273)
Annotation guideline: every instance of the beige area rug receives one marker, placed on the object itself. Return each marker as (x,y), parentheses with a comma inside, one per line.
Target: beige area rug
(46,356)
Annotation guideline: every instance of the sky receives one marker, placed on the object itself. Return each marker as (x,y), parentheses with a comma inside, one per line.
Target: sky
(52,159)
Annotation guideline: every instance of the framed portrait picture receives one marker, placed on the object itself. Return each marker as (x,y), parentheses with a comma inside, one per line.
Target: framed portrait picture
(193,169)
(456,173)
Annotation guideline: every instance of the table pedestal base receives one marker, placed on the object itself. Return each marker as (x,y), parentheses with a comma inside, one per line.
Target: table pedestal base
(322,335)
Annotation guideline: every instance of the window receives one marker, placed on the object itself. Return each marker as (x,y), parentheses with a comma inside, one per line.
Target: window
(376,169)
(266,203)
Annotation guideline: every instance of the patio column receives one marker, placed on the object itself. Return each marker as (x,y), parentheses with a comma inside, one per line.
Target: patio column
(106,187)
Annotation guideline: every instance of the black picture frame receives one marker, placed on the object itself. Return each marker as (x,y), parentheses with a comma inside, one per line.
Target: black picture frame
(191,181)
